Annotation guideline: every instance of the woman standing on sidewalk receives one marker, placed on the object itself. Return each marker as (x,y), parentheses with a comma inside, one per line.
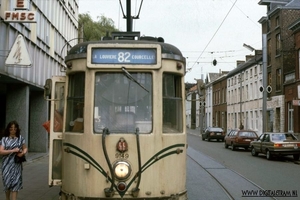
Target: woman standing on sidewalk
(11,144)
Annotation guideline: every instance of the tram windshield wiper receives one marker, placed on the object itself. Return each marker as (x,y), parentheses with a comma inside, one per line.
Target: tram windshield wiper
(129,76)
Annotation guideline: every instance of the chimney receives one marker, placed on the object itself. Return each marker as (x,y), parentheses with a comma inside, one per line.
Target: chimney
(248,57)
(258,52)
(239,62)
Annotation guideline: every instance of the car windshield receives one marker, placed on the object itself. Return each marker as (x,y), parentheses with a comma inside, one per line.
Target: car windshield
(216,129)
(247,134)
(282,137)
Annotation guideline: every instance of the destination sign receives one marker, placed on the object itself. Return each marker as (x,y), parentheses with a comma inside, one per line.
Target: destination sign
(124,56)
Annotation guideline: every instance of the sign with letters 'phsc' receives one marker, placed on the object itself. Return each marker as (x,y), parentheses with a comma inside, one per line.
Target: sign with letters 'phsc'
(18,54)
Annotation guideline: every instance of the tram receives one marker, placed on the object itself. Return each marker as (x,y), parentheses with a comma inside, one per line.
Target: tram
(117,118)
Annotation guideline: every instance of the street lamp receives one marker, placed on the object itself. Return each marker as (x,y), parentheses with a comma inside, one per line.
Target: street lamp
(248,47)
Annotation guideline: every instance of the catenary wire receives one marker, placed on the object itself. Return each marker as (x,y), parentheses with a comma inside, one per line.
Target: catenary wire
(214,35)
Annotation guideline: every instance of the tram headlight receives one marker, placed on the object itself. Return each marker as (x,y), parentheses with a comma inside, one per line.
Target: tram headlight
(122,170)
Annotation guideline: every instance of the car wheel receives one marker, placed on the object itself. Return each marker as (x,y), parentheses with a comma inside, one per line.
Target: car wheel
(208,139)
(232,147)
(253,152)
(203,137)
(225,145)
(296,156)
(269,155)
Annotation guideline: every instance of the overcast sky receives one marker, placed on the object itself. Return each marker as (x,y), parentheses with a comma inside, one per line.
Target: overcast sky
(202,29)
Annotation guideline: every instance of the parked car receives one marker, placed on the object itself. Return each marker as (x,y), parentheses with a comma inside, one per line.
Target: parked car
(276,144)
(213,133)
(239,138)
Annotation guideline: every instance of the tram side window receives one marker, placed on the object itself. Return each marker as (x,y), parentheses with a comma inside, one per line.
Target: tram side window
(75,102)
(59,107)
(172,103)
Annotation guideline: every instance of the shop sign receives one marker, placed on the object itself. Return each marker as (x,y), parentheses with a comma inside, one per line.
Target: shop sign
(20,13)
(296,102)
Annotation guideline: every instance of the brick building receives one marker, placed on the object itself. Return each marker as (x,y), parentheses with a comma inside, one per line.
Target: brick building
(281,63)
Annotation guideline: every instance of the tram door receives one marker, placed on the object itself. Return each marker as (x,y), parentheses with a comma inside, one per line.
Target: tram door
(54,90)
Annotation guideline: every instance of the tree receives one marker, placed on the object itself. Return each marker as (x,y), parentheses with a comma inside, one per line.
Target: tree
(94,30)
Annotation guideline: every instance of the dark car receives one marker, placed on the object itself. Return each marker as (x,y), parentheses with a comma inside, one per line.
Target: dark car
(276,144)
(213,133)
(239,138)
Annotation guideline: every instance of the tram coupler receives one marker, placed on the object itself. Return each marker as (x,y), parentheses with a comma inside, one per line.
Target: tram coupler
(135,192)
(108,192)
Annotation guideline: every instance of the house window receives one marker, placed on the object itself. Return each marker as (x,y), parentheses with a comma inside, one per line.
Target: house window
(277,21)
(260,68)
(299,62)
(225,98)
(269,78)
(247,92)
(278,79)
(256,120)
(269,52)
(278,44)
(290,117)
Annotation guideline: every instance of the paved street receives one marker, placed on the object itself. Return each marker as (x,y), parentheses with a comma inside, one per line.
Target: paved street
(206,179)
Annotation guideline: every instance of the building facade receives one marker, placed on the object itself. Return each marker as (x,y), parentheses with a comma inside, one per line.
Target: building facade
(48,29)
(281,63)
(292,86)
(208,116)
(246,87)
(244,98)
(220,102)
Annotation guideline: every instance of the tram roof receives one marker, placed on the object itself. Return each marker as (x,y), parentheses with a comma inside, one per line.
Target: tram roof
(81,48)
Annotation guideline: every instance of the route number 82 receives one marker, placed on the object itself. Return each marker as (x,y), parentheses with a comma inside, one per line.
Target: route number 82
(124,57)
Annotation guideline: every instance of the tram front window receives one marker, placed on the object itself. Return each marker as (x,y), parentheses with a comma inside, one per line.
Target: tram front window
(123,103)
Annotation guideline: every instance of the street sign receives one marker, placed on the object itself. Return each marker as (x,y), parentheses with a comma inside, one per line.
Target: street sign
(18,54)
(296,102)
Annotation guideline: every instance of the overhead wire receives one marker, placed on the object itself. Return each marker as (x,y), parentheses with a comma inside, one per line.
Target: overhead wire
(213,35)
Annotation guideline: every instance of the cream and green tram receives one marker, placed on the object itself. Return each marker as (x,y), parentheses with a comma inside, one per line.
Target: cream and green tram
(117,118)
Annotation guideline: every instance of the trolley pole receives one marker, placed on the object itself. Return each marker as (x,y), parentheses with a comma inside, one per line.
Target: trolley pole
(129,17)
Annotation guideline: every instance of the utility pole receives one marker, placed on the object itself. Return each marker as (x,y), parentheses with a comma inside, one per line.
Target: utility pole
(264,71)
(201,93)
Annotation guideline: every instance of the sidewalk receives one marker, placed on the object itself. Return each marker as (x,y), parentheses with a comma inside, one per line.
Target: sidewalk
(35,179)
